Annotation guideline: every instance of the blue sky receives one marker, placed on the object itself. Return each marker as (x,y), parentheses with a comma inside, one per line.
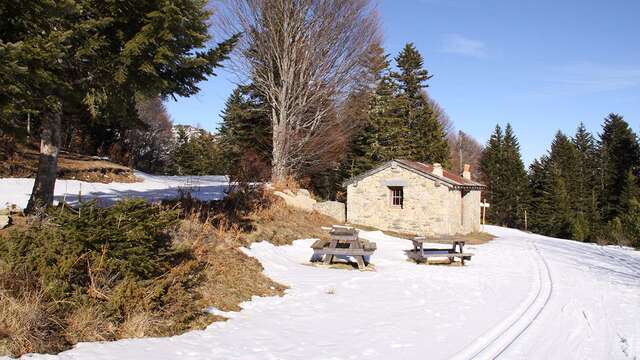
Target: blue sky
(541,65)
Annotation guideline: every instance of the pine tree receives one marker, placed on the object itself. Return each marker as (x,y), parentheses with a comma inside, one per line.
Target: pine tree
(96,56)
(412,76)
(506,178)
(491,165)
(515,180)
(585,183)
(428,138)
(561,219)
(541,206)
(245,130)
(364,108)
(555,207)
(389,114)
(619,154)
(197,154)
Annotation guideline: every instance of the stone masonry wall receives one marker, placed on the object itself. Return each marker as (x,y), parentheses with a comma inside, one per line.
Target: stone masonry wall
(471,209)
(429,209)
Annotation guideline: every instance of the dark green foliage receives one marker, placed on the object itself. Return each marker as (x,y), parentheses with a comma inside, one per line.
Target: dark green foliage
(400,122)
(245,133)
(118,261)
(86,61)
(197,152)
(588,192)
(369,107)
(411,76)
(586,180)
(426,137)
(561,203)
(129,239)
(631,223)
(619,154)
(506,178)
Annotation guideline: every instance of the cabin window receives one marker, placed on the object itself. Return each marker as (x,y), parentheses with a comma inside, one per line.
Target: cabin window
(397,196)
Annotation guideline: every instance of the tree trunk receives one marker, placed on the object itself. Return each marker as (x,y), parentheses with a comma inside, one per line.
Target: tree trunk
(42,193)
(279,170)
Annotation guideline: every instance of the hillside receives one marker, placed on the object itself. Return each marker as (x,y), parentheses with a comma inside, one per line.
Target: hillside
(23,163)
(115,293)
(522,296)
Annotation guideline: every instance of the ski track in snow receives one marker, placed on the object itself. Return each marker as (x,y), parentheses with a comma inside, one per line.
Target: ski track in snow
(494,343)
(523,296)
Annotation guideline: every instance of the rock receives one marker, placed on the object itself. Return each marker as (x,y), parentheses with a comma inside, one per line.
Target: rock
(304,192)
(5,211)
(332,209)
(298,201)
(5,221)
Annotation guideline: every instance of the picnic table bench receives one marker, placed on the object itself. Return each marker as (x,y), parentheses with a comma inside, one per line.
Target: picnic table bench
(344,241)
(420,254)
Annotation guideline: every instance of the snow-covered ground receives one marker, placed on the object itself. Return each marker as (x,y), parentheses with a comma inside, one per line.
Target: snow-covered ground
(522,296)
(152,187)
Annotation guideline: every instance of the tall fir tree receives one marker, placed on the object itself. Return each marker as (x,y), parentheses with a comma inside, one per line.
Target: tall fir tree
(197,153)
(619,154)
(491,165)
(245,131)
(515,180)
(428,138)
(94,57)
(540,205)
(585,185)
(554,205)
(411,76)
(506,178)
(372,94)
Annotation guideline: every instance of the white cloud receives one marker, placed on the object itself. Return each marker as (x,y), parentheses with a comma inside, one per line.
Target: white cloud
(458,44)
(589,77)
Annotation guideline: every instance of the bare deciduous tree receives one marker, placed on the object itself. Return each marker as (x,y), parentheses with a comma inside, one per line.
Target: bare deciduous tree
(149,146)
(303,56)
(439,114)
(464,149)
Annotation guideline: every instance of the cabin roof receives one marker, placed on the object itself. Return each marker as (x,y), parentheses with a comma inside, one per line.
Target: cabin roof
(426,170)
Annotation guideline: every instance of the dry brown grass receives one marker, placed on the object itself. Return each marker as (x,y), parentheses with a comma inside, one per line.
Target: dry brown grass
(138,325)
(474,238)
(18,223)
(232,276)
(27,324)
(89,323)
(280,224)
(24,163)
(477,238)
(31,322)
(288,183)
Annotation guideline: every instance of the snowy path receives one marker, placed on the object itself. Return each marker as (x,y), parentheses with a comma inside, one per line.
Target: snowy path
(522,296)
(152,187)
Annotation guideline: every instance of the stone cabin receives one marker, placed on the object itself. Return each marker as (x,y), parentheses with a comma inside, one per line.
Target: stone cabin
(412,197)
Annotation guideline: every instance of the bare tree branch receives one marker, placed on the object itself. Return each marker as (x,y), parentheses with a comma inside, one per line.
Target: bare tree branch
(304,56)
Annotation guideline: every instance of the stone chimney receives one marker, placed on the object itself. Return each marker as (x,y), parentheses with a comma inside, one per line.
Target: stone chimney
(466,173)
(437,169)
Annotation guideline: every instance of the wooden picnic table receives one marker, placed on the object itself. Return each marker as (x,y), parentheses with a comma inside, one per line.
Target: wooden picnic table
(421,254)
(344,241)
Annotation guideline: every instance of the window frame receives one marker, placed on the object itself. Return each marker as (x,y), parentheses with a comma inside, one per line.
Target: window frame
(396,196)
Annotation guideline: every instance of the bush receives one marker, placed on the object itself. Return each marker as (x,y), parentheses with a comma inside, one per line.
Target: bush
(135,269)
(631,223)
(580,228)
(116,266)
